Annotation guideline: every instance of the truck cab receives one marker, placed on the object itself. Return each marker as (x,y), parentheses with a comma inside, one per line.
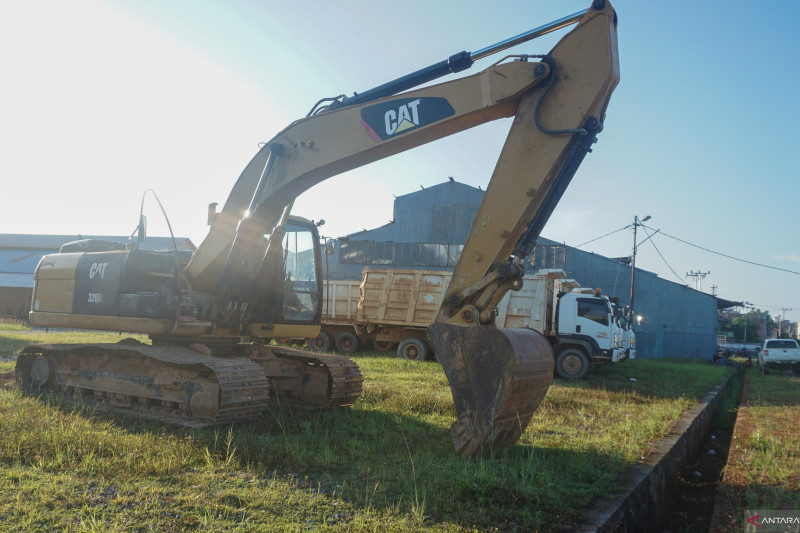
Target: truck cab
(590,318)
(589,330)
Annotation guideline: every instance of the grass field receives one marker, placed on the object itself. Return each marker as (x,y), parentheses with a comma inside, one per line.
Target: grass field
(763,470)
(385,464)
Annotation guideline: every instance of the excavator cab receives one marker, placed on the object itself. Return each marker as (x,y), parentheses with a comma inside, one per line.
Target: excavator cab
(291,290)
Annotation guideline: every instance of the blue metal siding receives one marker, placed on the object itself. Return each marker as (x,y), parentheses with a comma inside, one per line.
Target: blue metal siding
(441,214)
(679,321)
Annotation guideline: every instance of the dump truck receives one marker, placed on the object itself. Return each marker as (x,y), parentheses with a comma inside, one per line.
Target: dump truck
(393,307)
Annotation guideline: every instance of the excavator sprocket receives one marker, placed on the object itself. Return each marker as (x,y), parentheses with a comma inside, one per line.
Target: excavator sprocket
(309,379)
(187,385)
(498,377)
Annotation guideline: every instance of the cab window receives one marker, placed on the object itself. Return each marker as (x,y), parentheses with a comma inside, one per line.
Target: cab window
(594,310)
(300,289)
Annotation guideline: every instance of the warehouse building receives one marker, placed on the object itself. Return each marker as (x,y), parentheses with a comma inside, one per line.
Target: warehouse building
(430,226)
(20,253)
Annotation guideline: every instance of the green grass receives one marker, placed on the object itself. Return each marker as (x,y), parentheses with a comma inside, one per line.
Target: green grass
(385,464)
(763,470)
(12,325)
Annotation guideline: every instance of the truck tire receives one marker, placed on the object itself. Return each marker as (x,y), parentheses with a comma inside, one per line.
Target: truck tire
(413,349)
(383,346)
(346,342)
(322,342)
(572,363)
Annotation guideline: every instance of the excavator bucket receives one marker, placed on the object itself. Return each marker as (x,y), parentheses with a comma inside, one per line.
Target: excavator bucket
(498,377)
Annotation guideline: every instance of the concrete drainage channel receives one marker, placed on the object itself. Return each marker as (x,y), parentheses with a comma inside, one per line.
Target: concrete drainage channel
(650,489)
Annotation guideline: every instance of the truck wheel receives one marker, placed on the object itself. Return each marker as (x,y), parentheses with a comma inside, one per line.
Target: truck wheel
(322,342)
(346,342)
(413,349)
(572,364)
(383,346)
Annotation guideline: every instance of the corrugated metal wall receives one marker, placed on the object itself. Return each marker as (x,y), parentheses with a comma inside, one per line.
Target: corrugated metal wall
(678,321)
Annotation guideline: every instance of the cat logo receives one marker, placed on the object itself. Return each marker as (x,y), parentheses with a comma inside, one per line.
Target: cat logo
(404,118)
(386,120)
(97,269)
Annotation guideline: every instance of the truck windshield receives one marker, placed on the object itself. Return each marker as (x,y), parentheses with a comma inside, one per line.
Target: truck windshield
(594,310)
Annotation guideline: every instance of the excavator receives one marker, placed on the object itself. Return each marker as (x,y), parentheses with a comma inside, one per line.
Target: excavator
(211,317)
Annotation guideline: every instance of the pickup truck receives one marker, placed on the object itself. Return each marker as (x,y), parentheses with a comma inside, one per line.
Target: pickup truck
(777,353)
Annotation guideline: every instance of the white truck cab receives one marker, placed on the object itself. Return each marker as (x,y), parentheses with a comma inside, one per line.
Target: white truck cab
(589,331)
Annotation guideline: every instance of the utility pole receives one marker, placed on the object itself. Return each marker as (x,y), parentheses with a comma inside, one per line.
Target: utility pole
(745,305)
(698,277)
(713,290)
(780,322)
(636,224)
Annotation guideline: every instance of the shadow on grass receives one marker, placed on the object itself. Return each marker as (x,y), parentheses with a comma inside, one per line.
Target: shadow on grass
(388,463)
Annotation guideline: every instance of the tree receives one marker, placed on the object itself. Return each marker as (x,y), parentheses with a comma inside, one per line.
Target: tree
(752,329)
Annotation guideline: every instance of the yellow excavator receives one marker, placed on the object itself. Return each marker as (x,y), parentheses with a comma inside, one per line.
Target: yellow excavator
(256,276)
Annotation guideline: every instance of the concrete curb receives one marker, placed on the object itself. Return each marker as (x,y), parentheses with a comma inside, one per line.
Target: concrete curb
(650,488)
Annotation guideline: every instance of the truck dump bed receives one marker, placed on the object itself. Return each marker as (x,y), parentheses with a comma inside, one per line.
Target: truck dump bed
(340,301)
(401,297)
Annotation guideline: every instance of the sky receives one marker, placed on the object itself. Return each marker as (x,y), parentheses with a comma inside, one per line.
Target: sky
(103,101)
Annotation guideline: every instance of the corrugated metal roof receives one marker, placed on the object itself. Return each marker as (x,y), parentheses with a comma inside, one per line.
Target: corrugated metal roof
(19,261)
(16,280)
(441,214)
(18,241)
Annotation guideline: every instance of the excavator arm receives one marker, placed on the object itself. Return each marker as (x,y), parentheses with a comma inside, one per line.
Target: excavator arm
(558,101)
(355,132)
(498,377)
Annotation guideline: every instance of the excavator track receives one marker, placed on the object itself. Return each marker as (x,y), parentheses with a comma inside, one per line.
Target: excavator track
(188,386)
(170,384)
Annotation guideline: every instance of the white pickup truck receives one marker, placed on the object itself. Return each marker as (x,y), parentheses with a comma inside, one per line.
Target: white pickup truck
(777,353)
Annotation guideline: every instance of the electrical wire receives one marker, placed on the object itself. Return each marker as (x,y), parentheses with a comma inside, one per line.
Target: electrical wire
(652,241)
(726,255)
(602,236)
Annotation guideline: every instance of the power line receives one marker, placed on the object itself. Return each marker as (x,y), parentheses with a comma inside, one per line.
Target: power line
(653,242)
(603,236)
(729,256)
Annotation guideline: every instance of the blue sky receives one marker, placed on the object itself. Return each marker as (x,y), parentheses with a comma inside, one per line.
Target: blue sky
(102,100)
